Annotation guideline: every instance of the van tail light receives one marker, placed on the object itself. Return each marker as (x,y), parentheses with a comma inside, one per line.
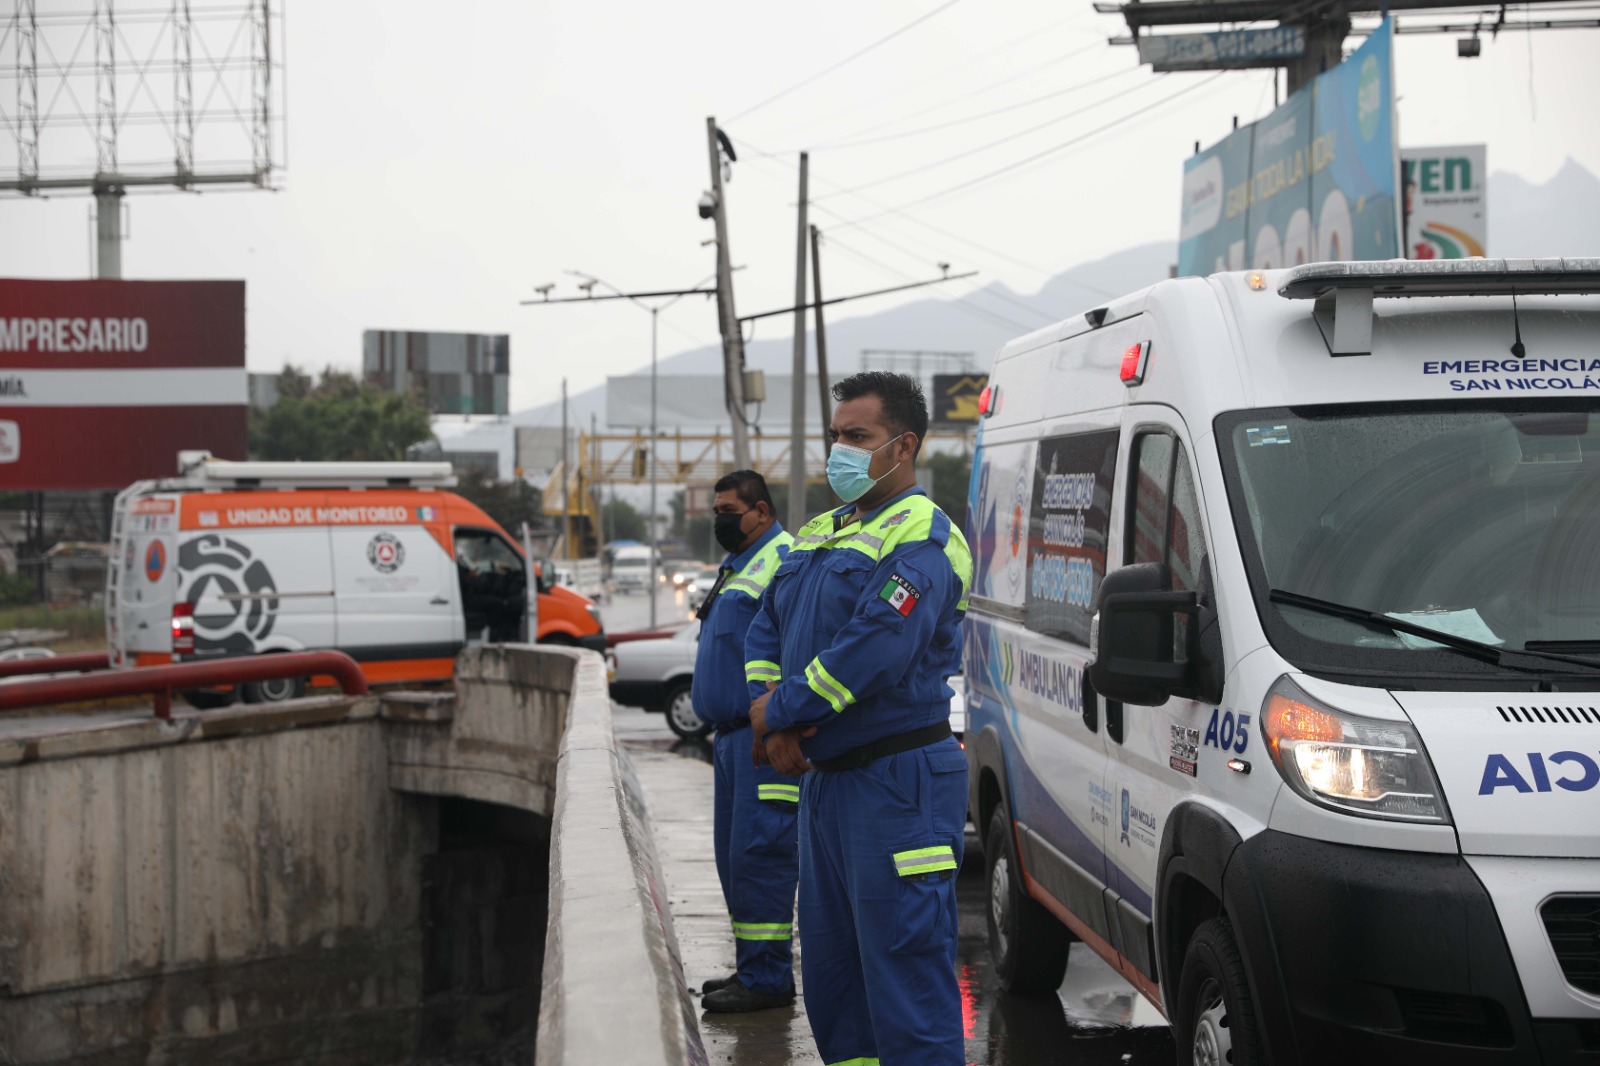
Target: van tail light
(183,629)
(987,400)
(1133,363)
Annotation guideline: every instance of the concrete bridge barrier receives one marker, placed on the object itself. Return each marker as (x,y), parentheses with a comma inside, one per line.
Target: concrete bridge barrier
(341,880)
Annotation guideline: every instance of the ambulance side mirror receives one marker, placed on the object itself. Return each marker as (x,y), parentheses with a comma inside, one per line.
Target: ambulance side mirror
(1145,640)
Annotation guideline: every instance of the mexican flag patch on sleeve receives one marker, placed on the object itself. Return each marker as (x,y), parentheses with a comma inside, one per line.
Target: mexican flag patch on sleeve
(900,594)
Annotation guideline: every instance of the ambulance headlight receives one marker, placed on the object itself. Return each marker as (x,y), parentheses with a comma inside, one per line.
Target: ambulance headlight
(1363,766)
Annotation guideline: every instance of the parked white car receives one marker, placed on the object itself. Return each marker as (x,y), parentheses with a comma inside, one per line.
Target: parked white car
(657,675)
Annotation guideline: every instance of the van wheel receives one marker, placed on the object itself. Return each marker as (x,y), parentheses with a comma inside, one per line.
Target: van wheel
(274,691)
(1216,1023)
(1028,945)
(202,700)
(681,718)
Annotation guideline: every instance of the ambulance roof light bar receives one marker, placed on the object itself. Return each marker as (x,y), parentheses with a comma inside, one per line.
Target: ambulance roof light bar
(200,470)
(1344,291)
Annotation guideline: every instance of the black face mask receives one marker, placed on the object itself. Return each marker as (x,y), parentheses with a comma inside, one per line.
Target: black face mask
(729,535)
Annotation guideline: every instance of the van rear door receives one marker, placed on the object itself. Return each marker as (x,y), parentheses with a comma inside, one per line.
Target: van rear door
(145,578)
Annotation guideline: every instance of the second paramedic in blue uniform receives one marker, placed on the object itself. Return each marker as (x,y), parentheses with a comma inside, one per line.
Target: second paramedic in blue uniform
(847,661)
(755,806)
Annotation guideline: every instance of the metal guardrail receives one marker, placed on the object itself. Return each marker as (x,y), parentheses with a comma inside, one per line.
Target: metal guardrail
(159,682)
(79,662)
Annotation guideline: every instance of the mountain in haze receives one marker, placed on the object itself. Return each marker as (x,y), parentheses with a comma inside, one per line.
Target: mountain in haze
(1555,218)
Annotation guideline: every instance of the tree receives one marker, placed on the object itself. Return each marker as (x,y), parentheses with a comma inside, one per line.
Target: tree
(509,503)
(622,521)
(948,476)
(338,418)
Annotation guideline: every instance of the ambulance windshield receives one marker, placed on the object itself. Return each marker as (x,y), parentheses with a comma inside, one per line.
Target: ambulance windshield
(1479,521)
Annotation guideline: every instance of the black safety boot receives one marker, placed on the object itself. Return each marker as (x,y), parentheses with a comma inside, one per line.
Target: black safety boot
(736,999)
(714,983)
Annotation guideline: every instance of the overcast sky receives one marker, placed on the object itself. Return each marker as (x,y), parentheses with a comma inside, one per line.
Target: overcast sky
(445,159)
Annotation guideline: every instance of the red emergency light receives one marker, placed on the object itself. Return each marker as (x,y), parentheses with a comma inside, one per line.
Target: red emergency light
(1134,359)
(183,628)
(986,400)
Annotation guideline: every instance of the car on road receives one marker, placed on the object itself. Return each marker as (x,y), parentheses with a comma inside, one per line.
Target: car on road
(657,674)
(683,571)
(702,584)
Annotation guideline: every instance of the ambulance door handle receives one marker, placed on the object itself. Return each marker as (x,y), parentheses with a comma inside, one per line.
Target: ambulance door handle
(439,601)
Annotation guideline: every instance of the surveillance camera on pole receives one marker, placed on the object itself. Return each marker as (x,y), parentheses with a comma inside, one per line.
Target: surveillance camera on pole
(707,205)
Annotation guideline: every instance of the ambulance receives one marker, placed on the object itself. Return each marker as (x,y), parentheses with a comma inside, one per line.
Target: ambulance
(378,560)
(1283,659)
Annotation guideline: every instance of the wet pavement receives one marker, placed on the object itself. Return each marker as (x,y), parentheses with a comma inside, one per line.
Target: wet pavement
(1096,1017)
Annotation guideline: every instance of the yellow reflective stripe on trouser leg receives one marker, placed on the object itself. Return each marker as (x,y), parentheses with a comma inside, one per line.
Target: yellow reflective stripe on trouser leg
(789,793)
(924,860)
(855,1062)
(763,930)
(827,686)
(762,670)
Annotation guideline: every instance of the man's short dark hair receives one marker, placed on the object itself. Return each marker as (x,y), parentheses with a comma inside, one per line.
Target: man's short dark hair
(905,409)
(751,487)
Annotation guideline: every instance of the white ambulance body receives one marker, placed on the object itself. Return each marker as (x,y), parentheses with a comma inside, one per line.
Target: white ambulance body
(377,560)
(1283,658)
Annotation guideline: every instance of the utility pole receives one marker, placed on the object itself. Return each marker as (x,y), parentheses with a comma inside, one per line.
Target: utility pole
(655,587)
(824,409)
(727,317)
(566,480)
(1325,36)
(797,381)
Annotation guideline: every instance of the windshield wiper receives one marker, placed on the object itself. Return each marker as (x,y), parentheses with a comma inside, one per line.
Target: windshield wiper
(1475,649)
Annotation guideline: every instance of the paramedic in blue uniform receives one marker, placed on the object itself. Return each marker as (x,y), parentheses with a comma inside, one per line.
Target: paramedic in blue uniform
(755,806)
(847,661)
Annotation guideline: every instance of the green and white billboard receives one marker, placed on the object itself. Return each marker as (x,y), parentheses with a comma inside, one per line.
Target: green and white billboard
(1315,180)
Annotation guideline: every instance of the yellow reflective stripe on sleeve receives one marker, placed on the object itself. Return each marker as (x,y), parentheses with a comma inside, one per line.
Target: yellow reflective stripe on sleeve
(827,686)
(763,930)
(762,670)
(790,793)
(924,860)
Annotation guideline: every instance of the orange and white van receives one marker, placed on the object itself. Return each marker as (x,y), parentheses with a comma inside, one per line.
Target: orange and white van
(377,560)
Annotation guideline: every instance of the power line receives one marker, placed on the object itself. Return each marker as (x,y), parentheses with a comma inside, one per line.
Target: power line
(961,303)
(847,59)
(940,74)
(923,168)
(870,202)
(965,97)
(978,290)
(840,145)
(1036,157)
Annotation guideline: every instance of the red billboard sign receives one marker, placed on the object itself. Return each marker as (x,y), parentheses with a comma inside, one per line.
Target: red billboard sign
(102,383)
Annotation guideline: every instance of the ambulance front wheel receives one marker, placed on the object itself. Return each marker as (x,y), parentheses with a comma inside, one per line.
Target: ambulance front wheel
(1216,1022)
(1028,945)
(276,690)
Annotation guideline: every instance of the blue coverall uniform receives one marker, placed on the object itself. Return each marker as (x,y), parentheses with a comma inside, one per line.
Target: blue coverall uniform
(754,819)
(861,627)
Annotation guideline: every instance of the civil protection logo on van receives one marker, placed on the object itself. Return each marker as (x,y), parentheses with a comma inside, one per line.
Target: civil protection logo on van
(386,553)
(1125,817)
(155,562)
(234,595)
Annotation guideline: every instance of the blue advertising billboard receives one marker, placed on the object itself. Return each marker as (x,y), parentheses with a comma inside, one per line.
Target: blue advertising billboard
(1313,181)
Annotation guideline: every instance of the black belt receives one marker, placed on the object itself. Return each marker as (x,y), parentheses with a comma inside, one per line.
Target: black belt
(867,754)
(730,726)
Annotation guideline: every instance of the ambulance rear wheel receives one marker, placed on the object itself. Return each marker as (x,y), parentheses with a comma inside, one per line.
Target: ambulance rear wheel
(1216,1022)
(275,690)
(1028,945)
(681,719)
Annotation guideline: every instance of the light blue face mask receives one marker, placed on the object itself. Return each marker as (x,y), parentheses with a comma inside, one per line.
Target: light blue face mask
(847,470)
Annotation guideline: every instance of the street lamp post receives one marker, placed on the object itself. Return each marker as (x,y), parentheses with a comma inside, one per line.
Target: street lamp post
(655,315)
